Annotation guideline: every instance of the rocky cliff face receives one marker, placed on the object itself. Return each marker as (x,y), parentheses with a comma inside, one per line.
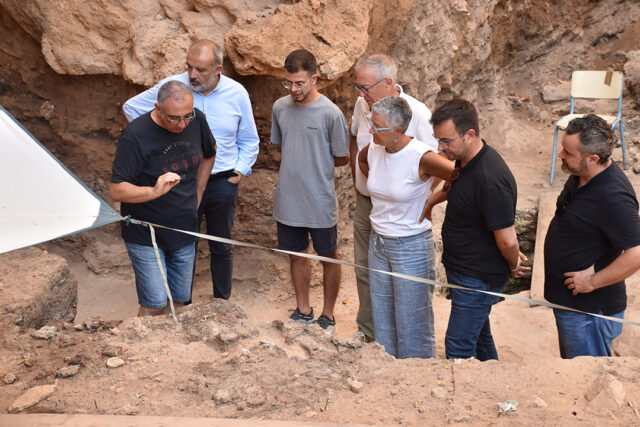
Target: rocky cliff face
(68,65)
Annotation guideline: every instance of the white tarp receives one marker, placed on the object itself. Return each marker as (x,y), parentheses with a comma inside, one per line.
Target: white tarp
(40,199)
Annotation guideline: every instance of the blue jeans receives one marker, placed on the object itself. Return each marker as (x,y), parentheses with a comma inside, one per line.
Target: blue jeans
(469,331)
(584,335)
(402,309)
(177,265)
(219,208)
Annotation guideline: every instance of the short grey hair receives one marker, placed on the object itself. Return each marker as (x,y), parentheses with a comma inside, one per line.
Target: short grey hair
(596,136)
(175,90)
(395,110)
(383,66)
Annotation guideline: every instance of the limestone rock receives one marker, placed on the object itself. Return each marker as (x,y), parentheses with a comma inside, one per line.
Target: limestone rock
(222,396)
(355,385)
(114,362)
(606,392)
(438,393)
(334,31)
(31,397)
(228,337)
(46,332)
(538,403)
(628,342)
(556,92)
(68,371)
(9,378)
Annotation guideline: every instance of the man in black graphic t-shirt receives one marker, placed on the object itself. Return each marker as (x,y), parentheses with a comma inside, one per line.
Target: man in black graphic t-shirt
(593,241)
(161,168)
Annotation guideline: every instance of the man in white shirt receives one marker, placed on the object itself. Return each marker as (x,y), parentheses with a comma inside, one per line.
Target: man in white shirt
(227,107)
(376,77)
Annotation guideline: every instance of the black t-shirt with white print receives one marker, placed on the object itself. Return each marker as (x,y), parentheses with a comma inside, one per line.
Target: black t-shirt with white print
(146,151)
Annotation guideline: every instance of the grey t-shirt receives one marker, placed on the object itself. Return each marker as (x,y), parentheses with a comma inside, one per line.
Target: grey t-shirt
(311,136)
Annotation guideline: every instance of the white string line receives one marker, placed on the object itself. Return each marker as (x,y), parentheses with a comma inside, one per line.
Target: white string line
(390,273)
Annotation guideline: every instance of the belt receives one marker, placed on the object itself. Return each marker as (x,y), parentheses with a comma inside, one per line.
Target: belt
(223,174)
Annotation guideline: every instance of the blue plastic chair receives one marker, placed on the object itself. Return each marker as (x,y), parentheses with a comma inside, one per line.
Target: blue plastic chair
(593,85)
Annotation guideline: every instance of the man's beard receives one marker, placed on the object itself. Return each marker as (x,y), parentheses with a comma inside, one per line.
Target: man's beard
(197,86)
(581,170)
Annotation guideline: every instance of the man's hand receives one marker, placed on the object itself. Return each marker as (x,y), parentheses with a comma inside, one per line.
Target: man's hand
(235,179)
(165,183)
(427,210)
(432,200)
(581,282)
(521,270)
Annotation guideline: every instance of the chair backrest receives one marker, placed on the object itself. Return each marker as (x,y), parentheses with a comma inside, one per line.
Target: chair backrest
(591,84)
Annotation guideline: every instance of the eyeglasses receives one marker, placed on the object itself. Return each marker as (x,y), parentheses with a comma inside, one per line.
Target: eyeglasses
(365,89)
(298,85)
(374,127)
(455,174)
(177,119)
(446,143)
(377,129)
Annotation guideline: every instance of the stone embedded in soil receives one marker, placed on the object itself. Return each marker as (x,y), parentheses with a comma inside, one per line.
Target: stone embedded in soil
(68,371)
(606,393)
(114,362)
(355,385)
(92,324)
(9,378)
(228,337)
(538,403)
(438,393)
(46,332)
(78,326)
(111,351)
(222,396)
(31,397)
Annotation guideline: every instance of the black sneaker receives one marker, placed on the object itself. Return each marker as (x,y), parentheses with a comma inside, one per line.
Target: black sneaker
(325,323)
(307,319)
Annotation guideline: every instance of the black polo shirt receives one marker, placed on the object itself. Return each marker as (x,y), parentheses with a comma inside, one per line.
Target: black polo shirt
(593,224)
(482,200)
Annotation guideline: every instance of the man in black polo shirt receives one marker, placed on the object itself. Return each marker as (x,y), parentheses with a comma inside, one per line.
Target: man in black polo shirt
(480,244)
(593,241)
(160,171)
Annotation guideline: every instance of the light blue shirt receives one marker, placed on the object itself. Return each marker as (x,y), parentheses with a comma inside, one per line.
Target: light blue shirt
(229,114)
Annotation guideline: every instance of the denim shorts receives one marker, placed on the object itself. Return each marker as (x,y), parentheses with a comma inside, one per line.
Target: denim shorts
(178,267)
(296,239)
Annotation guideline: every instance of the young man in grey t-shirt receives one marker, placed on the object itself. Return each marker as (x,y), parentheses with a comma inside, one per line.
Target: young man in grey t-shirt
(314,137)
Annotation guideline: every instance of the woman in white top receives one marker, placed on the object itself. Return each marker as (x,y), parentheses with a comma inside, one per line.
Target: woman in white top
(400,171)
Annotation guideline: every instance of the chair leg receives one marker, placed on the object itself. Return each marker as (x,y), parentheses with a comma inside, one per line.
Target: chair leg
(553,156)
(624,147)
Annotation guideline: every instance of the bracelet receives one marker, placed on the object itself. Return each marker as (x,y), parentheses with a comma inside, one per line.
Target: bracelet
(517,265)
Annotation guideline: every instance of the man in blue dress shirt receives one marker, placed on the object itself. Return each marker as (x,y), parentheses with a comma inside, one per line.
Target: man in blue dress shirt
(228,110)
